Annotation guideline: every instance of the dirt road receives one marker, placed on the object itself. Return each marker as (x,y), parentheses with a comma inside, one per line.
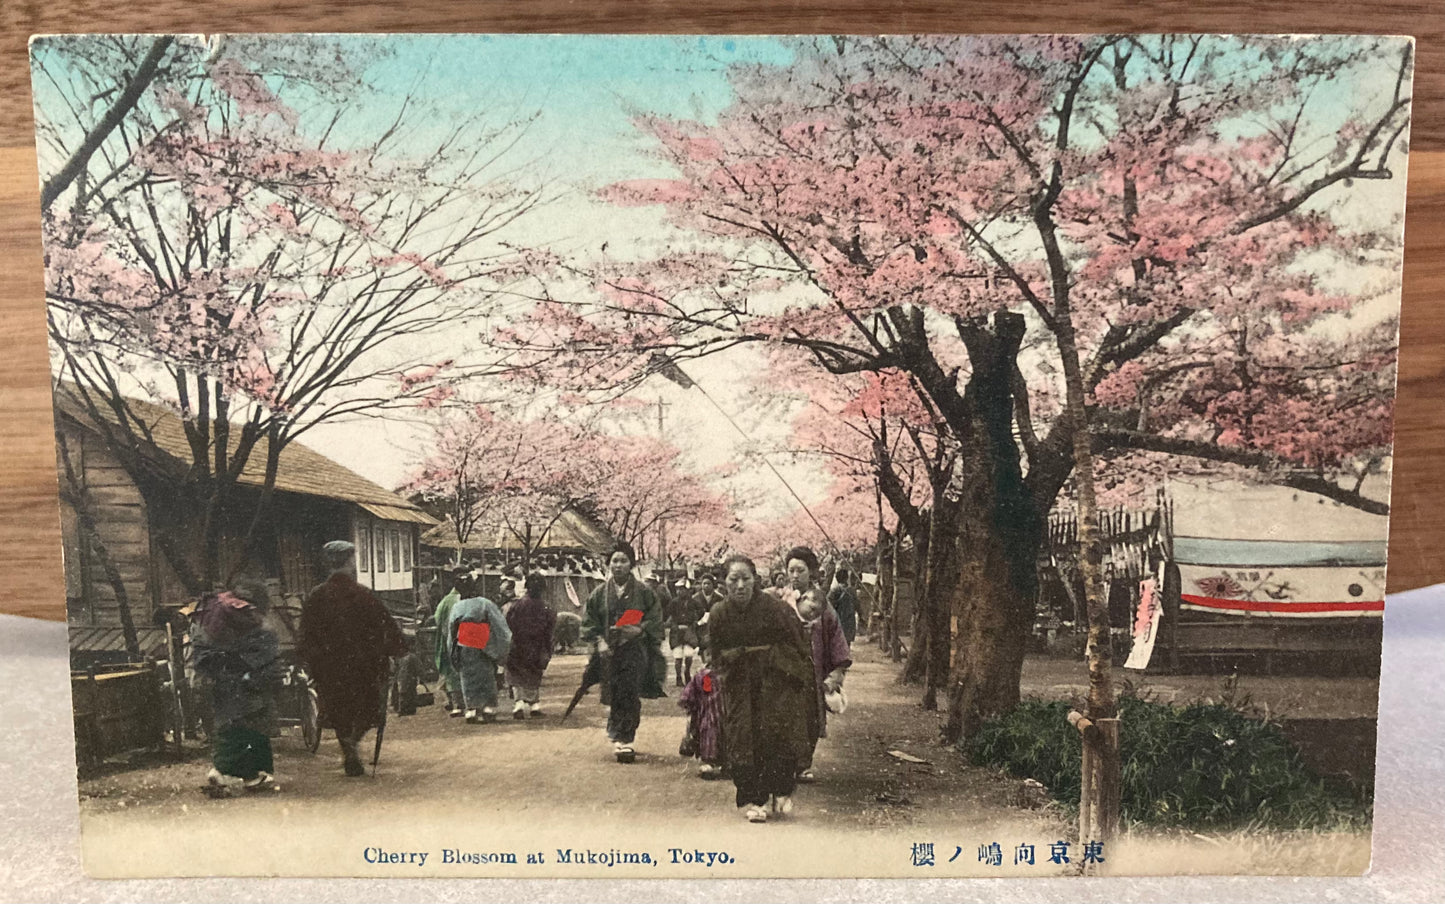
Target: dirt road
(545,764)
(443,784)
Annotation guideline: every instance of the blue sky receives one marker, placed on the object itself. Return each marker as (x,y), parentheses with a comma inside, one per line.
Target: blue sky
(577,74)
(591,83)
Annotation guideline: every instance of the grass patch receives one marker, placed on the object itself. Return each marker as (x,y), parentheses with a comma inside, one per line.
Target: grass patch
(1198,765)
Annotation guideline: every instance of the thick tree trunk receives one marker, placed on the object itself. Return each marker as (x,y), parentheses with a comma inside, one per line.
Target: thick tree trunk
(915,666)
(942,587)
(1000,535)
(993,628)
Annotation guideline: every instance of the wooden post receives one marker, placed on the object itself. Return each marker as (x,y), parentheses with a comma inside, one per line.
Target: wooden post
(1171,601)
(1099,791)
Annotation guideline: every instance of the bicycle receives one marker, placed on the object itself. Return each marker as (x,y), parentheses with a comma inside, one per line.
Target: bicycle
(297,705)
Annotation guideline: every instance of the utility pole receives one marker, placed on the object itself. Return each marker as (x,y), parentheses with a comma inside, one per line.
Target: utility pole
(661,522)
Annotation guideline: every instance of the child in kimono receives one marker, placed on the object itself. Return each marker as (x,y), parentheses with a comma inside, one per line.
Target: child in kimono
(831,660)
(701,699)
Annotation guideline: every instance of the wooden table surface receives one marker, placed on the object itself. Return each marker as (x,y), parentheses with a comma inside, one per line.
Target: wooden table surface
(29,517)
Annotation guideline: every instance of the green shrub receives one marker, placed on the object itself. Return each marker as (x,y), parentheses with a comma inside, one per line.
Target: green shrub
(1201,765)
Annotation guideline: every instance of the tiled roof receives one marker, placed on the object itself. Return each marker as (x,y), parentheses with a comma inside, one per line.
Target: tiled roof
(301,469)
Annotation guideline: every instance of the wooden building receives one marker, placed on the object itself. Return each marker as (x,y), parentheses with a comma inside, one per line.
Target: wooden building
(315,500)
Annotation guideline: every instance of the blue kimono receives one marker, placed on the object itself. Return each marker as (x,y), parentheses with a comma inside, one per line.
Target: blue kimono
(478,639)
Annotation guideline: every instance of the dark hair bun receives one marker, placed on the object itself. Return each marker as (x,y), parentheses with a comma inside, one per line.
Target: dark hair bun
(804,555)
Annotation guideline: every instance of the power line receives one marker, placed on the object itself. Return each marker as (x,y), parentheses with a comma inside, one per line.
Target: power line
(671,371)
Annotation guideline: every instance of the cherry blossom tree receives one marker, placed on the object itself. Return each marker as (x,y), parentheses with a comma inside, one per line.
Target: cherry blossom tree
(475,460)
(883,443)
(639,483)
(1033,231)
(246,242)
(505,468)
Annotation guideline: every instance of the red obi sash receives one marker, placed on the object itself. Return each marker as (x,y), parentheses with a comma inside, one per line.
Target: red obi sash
(707,684)
(474,634)
(629,618)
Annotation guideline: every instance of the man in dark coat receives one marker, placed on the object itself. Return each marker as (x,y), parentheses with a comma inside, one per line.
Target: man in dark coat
(347,637)
(683,614)
(532,624)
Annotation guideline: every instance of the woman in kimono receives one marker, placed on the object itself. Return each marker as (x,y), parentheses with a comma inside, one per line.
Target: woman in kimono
(239,660)
(479,641)
(532,624)
(624,620)
(769,693)
(831,655)
(451,684)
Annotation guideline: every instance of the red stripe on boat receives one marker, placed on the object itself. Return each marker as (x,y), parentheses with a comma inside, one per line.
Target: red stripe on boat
(629,618)
(474,634)
(1272,606)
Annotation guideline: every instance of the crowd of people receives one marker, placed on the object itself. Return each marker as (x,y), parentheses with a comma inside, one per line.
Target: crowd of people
(760,665)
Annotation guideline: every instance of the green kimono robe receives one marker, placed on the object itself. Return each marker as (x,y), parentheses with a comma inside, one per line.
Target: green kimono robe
(606,605)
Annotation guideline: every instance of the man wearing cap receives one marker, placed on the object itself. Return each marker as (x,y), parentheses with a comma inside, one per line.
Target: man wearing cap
(683,613)
(704,598)
(347,637)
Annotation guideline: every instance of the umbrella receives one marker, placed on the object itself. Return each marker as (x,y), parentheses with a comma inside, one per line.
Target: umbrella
(380,726)
(595,673)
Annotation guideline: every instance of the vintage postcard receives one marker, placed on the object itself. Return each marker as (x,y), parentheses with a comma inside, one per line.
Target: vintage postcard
(723,457)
